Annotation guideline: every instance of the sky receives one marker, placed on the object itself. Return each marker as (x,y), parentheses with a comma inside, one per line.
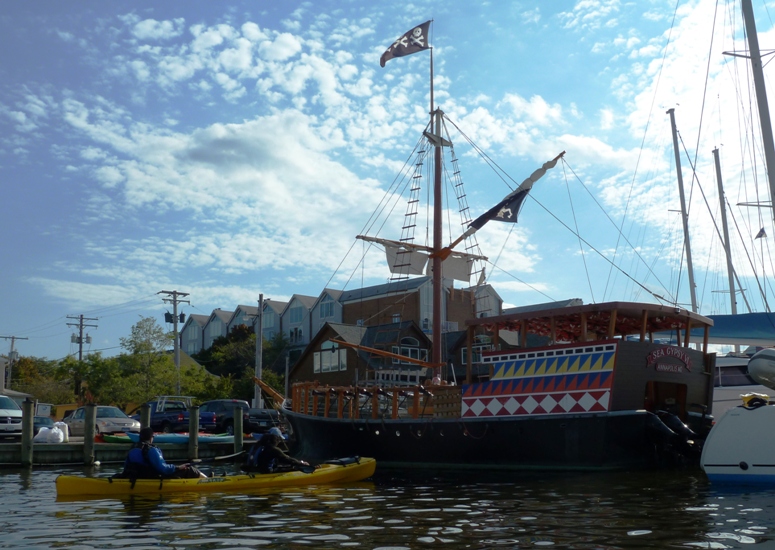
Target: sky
(233,150)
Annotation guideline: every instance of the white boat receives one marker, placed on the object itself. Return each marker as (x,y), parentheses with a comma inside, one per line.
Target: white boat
(740,447)
(731,381)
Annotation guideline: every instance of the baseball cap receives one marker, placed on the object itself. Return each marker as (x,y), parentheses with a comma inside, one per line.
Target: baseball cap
(275,431)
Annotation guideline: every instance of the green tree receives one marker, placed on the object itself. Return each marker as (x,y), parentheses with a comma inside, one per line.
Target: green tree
(43,379)
(147,359)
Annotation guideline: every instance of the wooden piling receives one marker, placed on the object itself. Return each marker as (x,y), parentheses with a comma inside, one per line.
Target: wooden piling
(238,429)
(145,415)
(193,432)
(28,412)
(89,431)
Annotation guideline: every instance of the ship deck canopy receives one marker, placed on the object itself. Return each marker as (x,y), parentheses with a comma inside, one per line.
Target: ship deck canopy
(604,321)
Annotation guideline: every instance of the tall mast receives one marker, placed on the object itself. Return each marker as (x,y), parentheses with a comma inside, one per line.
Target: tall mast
(761,95)
(436,356)
(684,215)
(725,228)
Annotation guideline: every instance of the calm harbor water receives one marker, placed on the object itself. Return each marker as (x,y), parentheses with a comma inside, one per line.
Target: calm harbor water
(450,510)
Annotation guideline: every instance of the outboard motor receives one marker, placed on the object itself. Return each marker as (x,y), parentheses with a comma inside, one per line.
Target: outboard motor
(675,441)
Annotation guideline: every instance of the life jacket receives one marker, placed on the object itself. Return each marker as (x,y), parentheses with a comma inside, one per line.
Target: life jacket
(258,460)
(134,469)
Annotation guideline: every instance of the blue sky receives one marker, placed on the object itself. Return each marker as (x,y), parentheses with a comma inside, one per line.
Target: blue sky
(228,150)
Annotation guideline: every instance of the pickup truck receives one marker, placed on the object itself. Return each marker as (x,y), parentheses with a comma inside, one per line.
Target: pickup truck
(253,420)
(170,414)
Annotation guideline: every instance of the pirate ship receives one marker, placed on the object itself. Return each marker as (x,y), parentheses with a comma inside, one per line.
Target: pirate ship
(587,387)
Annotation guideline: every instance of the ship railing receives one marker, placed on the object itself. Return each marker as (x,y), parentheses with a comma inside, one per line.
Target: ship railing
(312,398)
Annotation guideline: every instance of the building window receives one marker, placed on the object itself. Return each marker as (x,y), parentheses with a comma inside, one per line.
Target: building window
(396,317)
(295,335)
(267,320)
(330,358)
(326,307)
(410,347)
(296,314)
(482,343)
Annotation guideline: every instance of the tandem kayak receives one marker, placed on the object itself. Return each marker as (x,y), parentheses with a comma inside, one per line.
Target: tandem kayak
(336,471)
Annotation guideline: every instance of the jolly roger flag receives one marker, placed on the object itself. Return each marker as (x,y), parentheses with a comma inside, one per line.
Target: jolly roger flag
(412,41)
(505,211)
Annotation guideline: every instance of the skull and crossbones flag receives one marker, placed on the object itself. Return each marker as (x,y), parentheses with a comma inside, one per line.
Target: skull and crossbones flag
(507,210)
(413,41)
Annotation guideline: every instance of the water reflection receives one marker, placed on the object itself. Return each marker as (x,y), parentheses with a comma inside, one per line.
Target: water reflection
(401,511)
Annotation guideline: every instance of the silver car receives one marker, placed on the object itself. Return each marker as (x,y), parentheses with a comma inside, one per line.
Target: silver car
(109,420)
(10,418)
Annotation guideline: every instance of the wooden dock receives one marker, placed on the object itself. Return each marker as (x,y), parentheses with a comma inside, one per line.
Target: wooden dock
(74,453)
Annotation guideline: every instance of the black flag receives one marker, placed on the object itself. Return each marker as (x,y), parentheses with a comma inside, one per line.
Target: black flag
(413,41)
(508,209)
(504,211)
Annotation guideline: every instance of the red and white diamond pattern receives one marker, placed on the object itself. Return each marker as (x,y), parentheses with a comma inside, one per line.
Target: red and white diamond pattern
(526,405)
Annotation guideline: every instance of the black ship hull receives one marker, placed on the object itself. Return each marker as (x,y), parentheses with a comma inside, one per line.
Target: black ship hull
(607,441)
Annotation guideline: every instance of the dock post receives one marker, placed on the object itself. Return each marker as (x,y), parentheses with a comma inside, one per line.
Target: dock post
(28,413)
(238,429)
(193,432)
(89,429)
(145,415)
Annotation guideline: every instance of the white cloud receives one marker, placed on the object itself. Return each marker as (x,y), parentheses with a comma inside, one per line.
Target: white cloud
(150,29)
(283,47)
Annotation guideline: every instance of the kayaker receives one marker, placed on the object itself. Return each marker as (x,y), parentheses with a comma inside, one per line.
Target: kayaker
(266,456)
(145,461)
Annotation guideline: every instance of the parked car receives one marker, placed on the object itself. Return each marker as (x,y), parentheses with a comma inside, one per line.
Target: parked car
(10,418)
(224,414)
(253,420)
(41,422)
(109,420)
(263,419)
(170,414)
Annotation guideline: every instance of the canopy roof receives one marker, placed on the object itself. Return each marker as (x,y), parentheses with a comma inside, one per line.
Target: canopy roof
(601,321)
(747,329)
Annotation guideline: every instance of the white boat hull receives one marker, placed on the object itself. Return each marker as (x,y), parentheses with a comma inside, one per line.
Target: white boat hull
(740,447)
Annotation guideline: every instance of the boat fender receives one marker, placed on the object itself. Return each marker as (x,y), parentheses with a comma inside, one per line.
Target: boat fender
(743,465)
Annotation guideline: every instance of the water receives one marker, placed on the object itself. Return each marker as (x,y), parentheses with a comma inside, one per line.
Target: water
(396,511)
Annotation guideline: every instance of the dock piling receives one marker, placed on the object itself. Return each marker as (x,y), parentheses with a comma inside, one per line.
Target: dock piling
(238,429)
(28,414)
(89,431)
(193,432)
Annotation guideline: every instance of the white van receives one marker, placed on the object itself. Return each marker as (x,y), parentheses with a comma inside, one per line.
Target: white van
(10,418)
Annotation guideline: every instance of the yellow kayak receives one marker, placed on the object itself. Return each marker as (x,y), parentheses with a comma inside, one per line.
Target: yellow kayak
(75,486)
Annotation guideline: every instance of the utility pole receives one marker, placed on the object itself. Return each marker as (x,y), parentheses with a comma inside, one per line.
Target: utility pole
(11,357)
(258,400)
(79,339)
(175,300)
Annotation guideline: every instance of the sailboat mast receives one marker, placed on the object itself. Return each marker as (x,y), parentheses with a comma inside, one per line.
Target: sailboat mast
(761,94)
(436,355)
(684,215)
(725,229)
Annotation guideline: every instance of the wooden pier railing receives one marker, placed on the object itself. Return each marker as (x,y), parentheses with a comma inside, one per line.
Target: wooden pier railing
(375,402)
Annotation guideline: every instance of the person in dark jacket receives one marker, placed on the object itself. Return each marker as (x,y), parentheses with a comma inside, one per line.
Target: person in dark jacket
(266,456)
(145,461)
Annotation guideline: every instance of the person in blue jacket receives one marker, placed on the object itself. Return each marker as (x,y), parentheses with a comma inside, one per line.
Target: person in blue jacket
(145,461)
